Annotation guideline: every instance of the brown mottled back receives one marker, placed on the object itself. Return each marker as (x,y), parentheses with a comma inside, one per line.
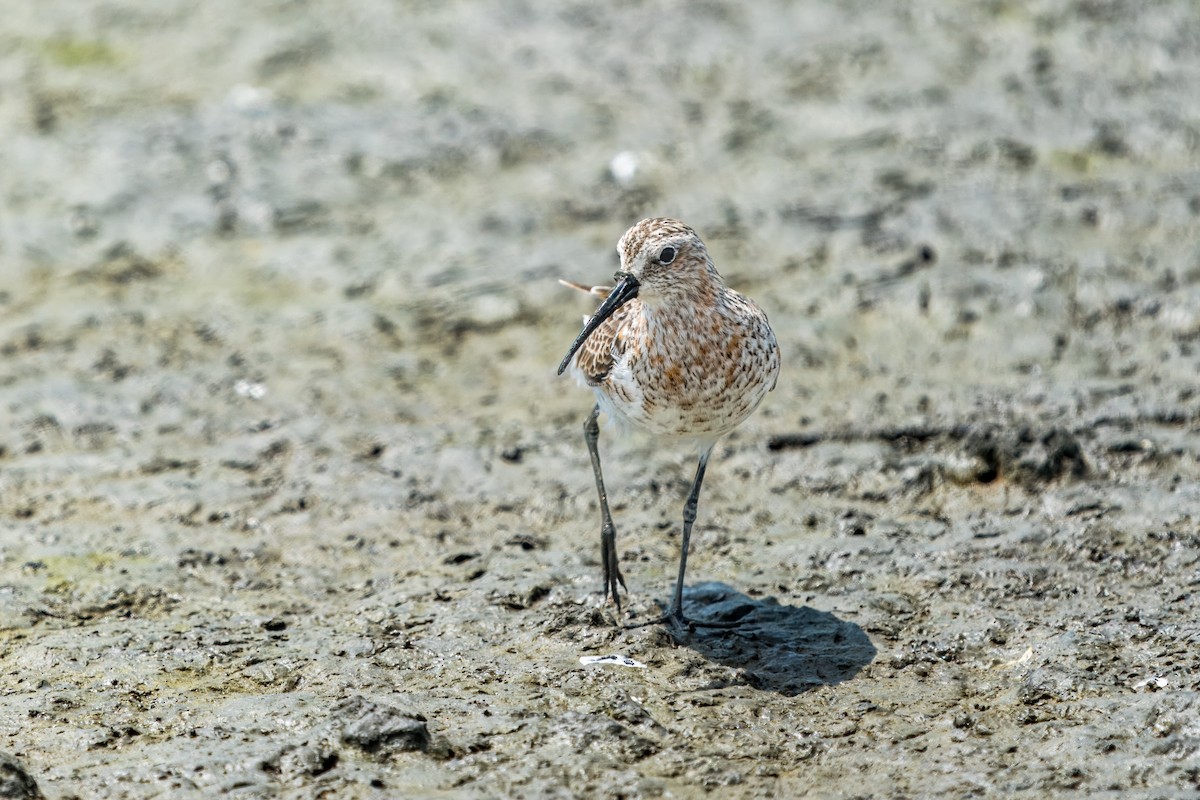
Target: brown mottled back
(607,343)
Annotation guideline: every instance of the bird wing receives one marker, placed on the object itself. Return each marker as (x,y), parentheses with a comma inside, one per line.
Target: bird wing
(595,357)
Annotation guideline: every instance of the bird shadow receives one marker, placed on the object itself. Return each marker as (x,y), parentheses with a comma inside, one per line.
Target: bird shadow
(777,648)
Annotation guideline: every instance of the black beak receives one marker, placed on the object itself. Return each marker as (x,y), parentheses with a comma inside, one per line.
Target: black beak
(625,290)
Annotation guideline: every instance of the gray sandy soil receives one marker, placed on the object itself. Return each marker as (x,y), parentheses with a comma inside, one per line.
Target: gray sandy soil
(293,504)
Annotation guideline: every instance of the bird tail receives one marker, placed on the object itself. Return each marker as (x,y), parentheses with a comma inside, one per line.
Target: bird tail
(595,291)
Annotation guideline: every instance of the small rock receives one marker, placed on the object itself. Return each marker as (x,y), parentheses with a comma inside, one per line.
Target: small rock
(297,762)
(15,782)
(378,728)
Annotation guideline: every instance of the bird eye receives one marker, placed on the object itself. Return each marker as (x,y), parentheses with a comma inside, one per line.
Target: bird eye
(666,255)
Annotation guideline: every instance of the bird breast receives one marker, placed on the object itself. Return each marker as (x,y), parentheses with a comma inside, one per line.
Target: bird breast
(692,372)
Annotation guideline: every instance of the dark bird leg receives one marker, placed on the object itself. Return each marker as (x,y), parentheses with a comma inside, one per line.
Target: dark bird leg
(689,516)
(608,532)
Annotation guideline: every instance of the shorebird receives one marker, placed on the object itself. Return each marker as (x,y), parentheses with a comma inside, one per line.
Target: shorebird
(672,351)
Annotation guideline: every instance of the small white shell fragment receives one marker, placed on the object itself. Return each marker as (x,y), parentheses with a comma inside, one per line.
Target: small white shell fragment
(254,391)
(1025,657)
(246,97)
(1153,683)
(614,659)
(624,167)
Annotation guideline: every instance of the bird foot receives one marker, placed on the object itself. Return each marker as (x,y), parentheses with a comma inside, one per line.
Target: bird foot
(676,621)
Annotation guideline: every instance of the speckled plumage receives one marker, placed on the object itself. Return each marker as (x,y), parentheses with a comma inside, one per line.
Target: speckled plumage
(689,357)
(672,351)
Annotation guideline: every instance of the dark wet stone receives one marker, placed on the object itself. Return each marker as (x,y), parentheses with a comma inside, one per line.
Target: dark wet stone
(380,728)
(301,761)
(15,780)
(1024,455)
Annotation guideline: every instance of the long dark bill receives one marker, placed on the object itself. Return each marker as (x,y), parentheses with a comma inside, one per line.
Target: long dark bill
(625,290)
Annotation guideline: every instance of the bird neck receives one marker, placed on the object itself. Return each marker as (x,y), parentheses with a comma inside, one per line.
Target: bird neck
(698,289)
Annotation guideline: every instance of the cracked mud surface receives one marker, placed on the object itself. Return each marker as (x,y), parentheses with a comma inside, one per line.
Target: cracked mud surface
(292,503)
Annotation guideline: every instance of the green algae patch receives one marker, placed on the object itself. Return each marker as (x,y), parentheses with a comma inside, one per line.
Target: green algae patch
(79,53)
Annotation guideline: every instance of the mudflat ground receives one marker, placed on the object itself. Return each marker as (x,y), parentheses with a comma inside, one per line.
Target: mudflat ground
(293,505)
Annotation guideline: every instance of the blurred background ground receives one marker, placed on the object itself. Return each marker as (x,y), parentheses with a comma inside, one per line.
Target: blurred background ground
(293,503)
